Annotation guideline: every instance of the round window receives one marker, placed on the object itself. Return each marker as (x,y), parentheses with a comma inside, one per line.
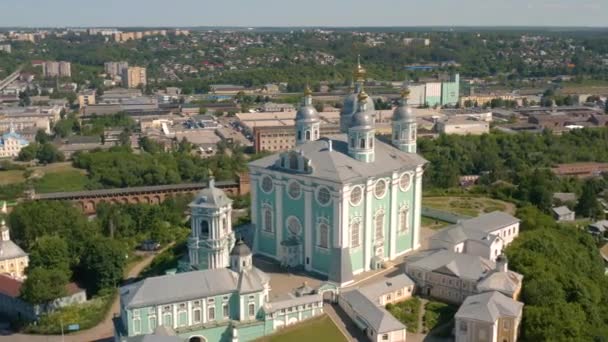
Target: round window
(294,190)
(323,196)
(267,184)
(355,196)
(294,226)
(380,188)
(405,181)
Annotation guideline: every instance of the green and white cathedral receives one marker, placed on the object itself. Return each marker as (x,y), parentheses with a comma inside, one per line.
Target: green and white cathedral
(340,205)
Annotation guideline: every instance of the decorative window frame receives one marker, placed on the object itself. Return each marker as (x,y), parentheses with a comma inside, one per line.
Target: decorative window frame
(411,175)
(289,218)
(262,184)
(267,207)
(405,207)
(350,198)
(318,190)
(386,184)
(289,184)
(359,220)
(378,212)
(320,221)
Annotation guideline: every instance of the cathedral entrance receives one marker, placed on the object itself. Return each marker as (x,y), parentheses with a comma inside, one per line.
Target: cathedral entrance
(293,252)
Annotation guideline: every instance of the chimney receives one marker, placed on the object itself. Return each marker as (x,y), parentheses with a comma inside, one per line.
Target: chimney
(502,264)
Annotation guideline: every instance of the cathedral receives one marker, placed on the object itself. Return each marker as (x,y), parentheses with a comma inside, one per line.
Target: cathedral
(340,205)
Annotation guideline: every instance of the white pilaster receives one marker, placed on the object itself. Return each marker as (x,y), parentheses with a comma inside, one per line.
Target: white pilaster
(343,214)
(367,225)
(204,308)
(189,314)
(159,315)
(254,212)
(174,316)
(417,207)
(242,314)
(278,202)
(336,226)
(308,243)
(393,223)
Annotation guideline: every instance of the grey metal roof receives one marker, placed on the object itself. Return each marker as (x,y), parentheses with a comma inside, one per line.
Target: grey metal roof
(377,317)
(240,248)
(340,268)
(563,210)
(490,222)
(463,266)
(506,282)
(154,338)
(295,301)
(374,291)
(10,250)
(211,197)
(307,113)
(363,119)
(190,285)
(489,307)
(404,112)
(338,166)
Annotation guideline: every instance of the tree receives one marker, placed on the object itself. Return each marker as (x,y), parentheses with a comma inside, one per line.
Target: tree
(29,152)
(43,285)
(103,264)
(588,205)
(48,153)
(51,252)
(42,137)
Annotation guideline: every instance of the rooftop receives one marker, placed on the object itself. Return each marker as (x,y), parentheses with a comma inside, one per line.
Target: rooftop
(489,307)
(377,317)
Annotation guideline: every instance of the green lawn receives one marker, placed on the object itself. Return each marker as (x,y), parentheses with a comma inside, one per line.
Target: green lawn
(468,206)
(69,180)
(319,329)
(407,312)
(437,314)
(87,315)
(11,176)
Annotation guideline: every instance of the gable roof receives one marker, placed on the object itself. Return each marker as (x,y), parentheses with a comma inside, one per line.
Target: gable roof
(10,250)
(189,285)
(506,282)
(377,317)
(489,307)
(374,291)
(478,228)
(337,166)
(563,210)
(463,266)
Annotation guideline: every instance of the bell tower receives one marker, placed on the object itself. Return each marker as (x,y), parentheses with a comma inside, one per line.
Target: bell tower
(307,120)
(404,125)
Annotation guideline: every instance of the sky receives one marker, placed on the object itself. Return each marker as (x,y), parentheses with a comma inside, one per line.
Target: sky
(169,13)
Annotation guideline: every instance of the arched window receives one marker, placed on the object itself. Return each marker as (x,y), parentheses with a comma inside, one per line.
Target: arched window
(307,135)
(323,238)
(404,222)
(355,233)
(299,135)
(352,142)
(362,143)
(267,219)
(293,162)
(379,225)
(204,229)
(294,226)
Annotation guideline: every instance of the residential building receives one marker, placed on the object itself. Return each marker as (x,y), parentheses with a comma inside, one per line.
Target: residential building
(13,260)
(115,68)
(377,323)
(452,277)
(340,205)
(580,170)
(57,69)
(486,235)
(269,107)
(598,228)
(5,48)
(563,214)
(86,98)
(11,144)
(133,77)
(436,93)
(276,139)
(490,316)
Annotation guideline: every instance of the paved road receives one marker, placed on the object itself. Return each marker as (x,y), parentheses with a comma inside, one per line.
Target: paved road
(104,331)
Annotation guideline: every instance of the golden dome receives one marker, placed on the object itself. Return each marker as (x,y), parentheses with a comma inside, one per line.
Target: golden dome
(362,96)
(405,93)
(360,71)
(307,91)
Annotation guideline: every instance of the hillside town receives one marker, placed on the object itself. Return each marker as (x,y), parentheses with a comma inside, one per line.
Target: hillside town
(291,184)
